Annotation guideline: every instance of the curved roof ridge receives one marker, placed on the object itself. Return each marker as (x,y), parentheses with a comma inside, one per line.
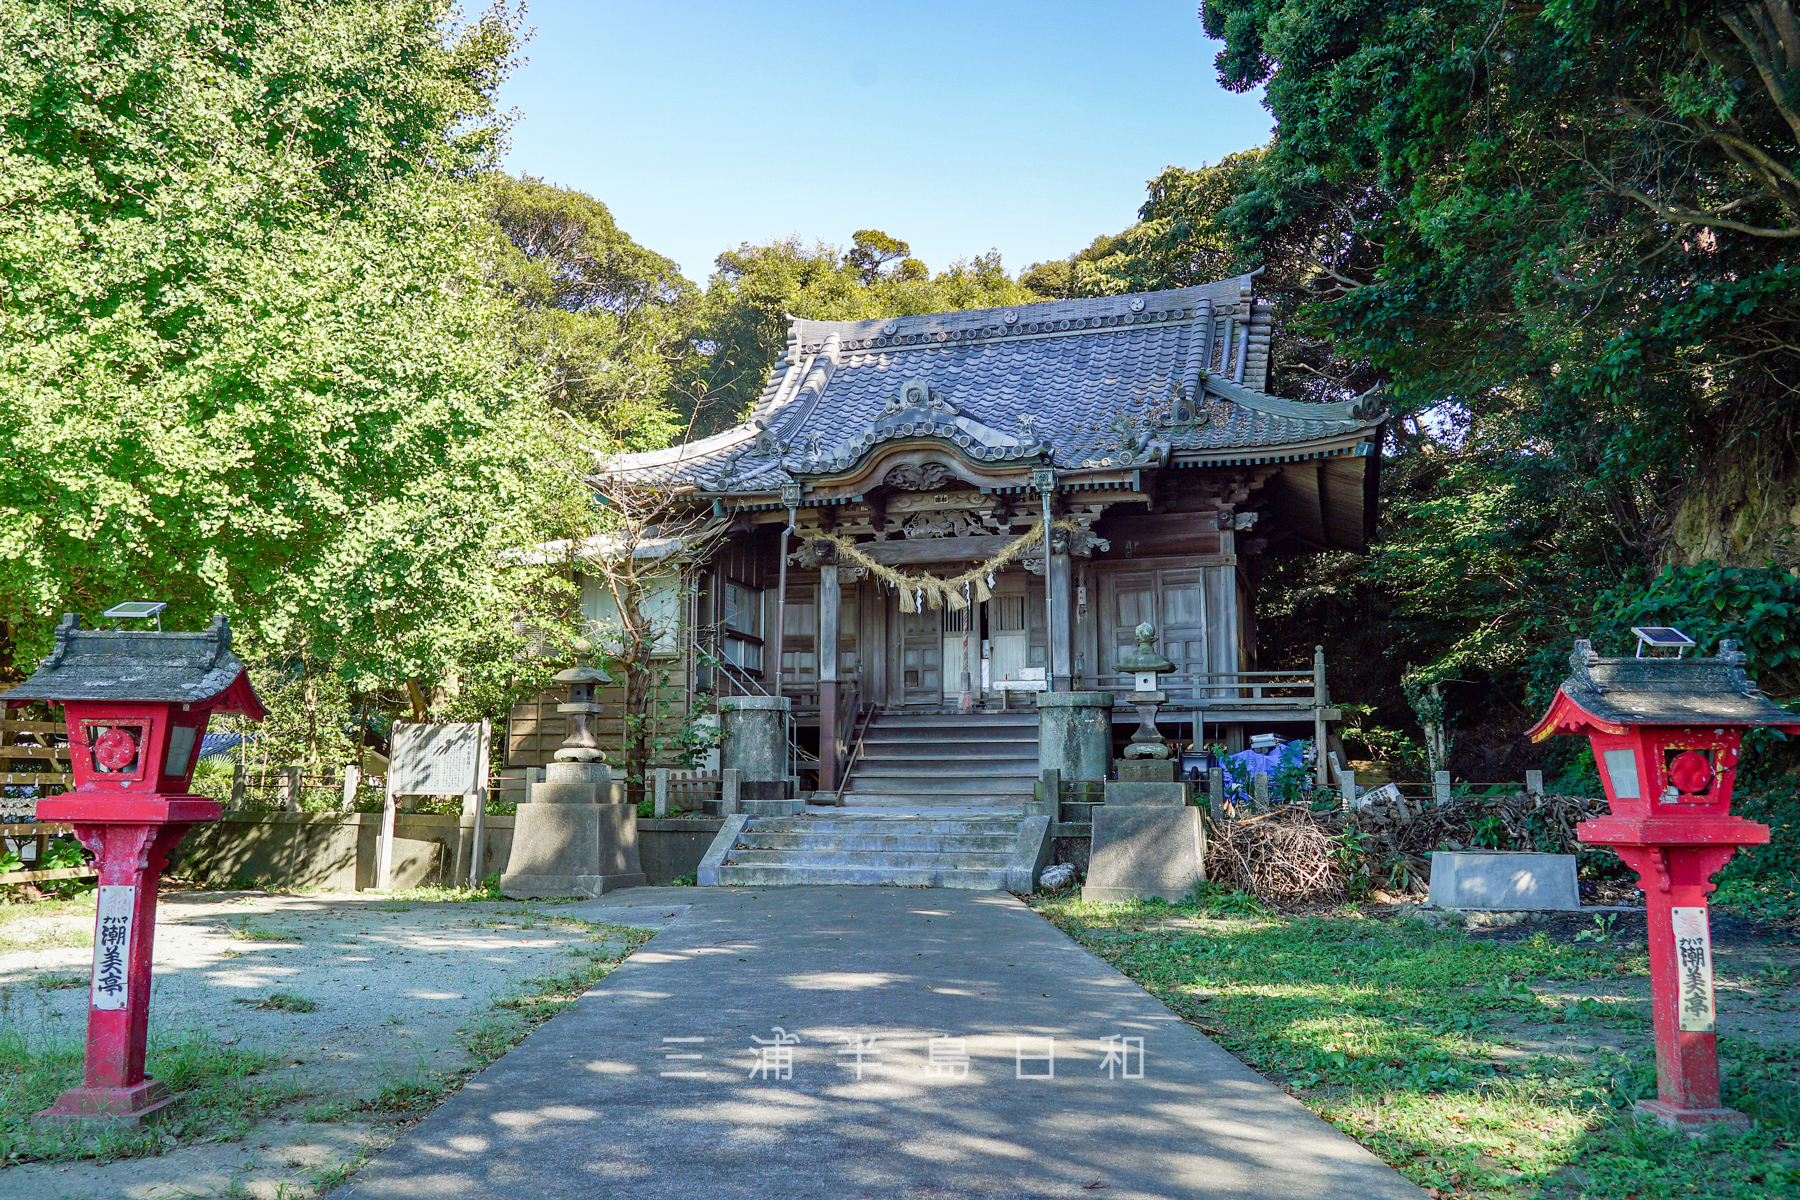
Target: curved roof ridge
(640,459)
(1358,411)
(809,331)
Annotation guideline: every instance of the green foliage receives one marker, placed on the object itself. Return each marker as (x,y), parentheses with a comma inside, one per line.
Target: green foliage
(609,318)
(1177,242)
(255,357)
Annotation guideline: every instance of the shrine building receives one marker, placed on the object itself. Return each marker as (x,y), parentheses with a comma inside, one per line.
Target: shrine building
(889,460)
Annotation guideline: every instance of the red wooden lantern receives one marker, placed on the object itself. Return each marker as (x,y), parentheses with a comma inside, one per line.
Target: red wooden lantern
(1665,734)
(136,705)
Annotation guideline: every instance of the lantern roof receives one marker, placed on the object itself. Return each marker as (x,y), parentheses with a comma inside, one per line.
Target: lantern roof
(1613,694)
(142,666)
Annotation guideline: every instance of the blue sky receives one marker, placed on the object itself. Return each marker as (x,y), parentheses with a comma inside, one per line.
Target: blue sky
(1023,127)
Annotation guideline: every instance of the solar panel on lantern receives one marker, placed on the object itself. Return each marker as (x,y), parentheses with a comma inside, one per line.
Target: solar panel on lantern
(1662,637)
(136,610)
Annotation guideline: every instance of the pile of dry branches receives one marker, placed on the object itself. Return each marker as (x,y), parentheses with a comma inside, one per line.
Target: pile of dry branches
(1293,856)
(1289,855)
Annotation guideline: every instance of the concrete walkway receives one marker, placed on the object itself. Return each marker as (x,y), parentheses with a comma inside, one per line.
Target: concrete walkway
(654,1085)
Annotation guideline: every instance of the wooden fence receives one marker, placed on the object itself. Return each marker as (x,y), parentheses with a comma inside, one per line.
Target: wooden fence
(34,755)
(34,836)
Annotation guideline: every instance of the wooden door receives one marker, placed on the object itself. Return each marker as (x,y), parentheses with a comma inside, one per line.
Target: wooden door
(958,656)
(1174,601)
(921,658)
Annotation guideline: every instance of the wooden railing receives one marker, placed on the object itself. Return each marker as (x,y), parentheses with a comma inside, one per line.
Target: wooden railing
(865,716)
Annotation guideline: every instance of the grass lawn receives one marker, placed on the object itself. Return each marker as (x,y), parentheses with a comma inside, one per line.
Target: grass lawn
(1478,1065)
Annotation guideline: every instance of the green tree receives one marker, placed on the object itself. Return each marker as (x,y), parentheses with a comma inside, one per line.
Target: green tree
(1564,238)
(249,358)
(610,319)
(1178,240)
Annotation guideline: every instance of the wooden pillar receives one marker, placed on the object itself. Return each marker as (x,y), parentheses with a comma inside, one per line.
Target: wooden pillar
(1059,579)
(826,649)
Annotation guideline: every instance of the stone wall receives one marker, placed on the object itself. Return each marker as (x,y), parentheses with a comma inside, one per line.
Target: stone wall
(335,852)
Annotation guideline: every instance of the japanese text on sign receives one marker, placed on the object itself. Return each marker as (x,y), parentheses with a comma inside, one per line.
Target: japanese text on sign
(1693,969)
(112,946)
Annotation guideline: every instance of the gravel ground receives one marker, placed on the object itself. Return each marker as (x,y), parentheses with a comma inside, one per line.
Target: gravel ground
(394,981)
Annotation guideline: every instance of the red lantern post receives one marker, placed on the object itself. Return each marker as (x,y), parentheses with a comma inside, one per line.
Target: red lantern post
(1665,734)
(136,705)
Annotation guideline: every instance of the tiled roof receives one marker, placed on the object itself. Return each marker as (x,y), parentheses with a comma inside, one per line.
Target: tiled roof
(137,665)
(1088,384)
(1671,691)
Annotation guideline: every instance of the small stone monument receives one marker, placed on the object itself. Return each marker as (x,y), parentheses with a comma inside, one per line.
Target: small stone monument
(1147,840)
(569,837)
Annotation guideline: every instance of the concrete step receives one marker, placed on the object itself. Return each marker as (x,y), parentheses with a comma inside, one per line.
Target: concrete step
(917,768)
(938,736)
(1000,801)
(921,860)
(881,840)
(865,847)
(950,752)
(937,784)
(979,879)
(833,820)
(902,717)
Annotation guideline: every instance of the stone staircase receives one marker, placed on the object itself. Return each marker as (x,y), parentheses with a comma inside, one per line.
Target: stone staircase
(867,847)
(936,800)
(957,760)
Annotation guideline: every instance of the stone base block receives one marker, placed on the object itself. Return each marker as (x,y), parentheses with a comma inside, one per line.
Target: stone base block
(1159,795)
(1144,770)
(543,887)
(772,808)
(571,850)
(1504,881)
(1693,1120)
(1140,851)
(131,1107)
(573,783)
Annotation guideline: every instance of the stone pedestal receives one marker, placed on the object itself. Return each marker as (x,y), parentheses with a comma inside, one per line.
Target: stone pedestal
(1075,734)
(1504,880)
(754,739)
(1147,840)
(569,840)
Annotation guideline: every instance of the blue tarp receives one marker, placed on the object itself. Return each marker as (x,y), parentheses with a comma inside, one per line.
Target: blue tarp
(1246,764)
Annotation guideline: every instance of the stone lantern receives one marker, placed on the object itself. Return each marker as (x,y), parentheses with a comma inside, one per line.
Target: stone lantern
(1145,664)
(1665,735)
(572,836)
(136,704)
